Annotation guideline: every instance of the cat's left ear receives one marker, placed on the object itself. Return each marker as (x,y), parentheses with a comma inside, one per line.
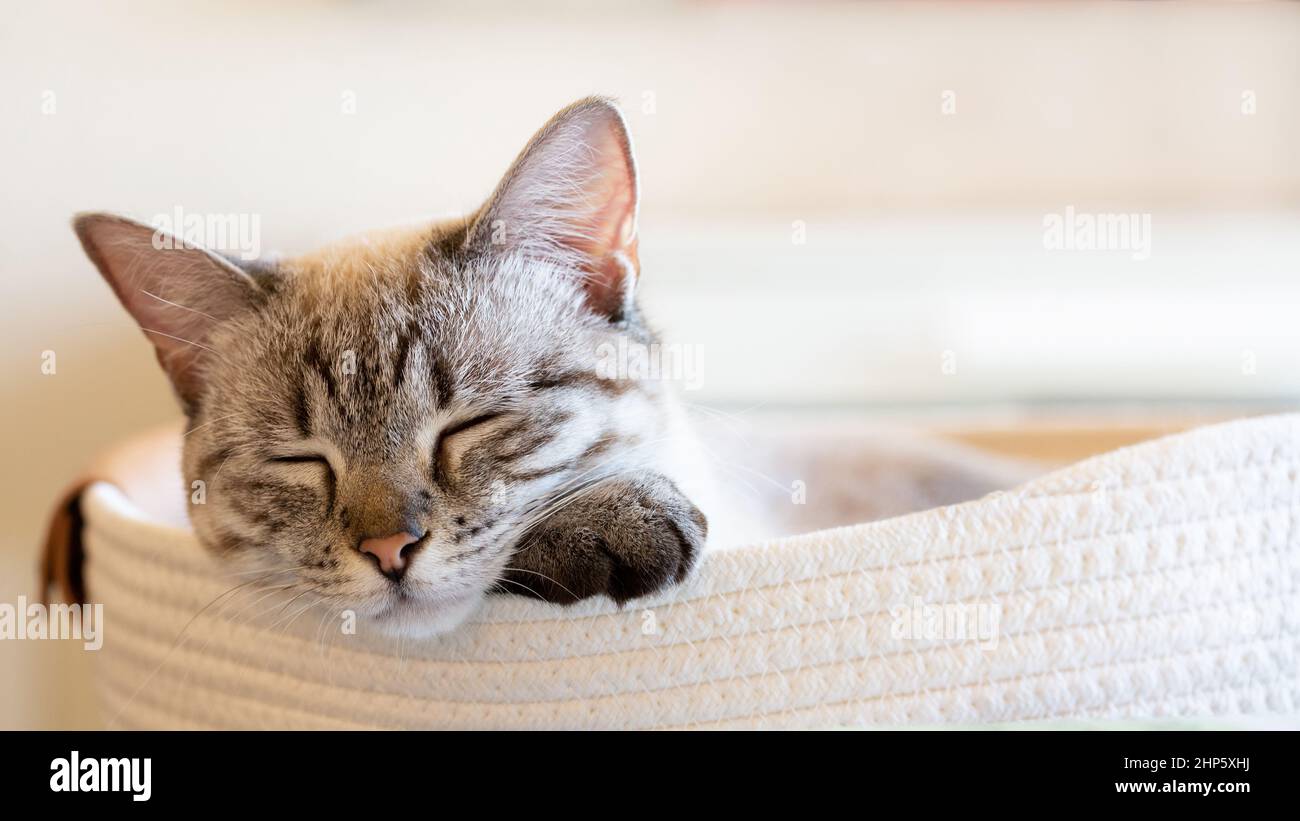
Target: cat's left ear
(571,197)
(176,291)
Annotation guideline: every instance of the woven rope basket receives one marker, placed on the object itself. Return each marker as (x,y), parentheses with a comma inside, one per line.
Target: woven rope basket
(1157,580)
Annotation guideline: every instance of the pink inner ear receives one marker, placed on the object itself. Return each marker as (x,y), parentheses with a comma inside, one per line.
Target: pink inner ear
(176,293)
(610,278)
(571,196)
(609,241)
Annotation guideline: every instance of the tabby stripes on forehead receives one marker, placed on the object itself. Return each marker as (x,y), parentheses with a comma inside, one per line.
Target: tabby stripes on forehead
(315,361)
(442,380)
(301,408)
(405,338)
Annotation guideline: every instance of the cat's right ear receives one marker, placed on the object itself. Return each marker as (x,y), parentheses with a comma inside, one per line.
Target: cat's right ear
(176,291)
(571,197)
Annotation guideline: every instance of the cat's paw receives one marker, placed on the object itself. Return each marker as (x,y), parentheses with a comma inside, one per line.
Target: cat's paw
(625,537)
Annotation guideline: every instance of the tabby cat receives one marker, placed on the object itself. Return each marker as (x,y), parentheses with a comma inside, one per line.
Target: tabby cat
(401,423)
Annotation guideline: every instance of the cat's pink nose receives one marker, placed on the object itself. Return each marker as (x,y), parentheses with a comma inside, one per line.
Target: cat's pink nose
(388,551)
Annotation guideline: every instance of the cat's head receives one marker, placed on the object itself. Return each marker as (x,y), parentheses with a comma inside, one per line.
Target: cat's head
(378,422)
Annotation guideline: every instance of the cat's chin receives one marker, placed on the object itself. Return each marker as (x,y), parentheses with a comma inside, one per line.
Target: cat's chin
(411,618)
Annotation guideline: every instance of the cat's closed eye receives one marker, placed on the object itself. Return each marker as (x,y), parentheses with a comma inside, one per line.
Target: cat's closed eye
(473,422)
(300,459)
(315,460)
(445,452)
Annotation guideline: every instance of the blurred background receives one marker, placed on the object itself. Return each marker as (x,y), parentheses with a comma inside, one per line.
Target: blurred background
(844,205)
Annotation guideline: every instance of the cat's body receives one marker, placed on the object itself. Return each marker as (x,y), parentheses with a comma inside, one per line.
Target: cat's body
(401,423)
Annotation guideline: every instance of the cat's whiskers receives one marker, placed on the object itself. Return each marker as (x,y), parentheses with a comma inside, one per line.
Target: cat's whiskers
(268,572)
(535,573)
(266,594)
(310,603)
(732,422)
(287,604)
(730,465)
(519,584)
(320,631)
(218,614)
(275,607)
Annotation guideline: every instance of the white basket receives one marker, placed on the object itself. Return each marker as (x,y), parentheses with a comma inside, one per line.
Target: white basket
(1156,580)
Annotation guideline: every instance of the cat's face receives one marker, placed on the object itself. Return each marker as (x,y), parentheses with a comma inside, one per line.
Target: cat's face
(380,422)
(427,396)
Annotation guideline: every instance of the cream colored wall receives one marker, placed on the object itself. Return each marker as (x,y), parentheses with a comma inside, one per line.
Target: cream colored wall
(748,116)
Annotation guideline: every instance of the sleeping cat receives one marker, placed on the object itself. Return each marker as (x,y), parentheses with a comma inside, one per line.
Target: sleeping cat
(401,423)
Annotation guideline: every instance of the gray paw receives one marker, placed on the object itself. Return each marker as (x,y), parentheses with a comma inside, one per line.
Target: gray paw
(624,538)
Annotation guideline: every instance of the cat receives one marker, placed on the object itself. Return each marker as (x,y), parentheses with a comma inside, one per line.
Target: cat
(402,423)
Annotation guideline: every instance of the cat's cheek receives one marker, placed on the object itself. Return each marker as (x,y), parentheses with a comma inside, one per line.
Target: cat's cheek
(216,536)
